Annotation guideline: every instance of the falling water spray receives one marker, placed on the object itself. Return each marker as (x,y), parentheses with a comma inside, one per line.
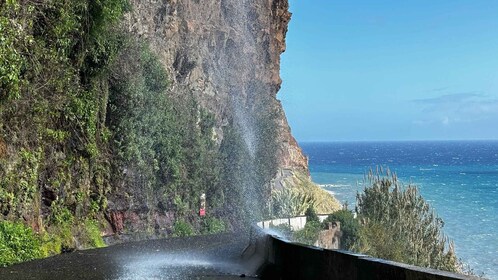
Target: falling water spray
(244,121)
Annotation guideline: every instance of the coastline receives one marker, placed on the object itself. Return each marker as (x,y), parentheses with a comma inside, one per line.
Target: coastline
(458,191)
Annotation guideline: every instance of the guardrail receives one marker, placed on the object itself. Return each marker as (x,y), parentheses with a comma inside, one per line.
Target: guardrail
(295,223)
(290,260)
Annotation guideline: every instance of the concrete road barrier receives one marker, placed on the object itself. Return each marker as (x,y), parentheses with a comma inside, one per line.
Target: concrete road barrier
(290,260)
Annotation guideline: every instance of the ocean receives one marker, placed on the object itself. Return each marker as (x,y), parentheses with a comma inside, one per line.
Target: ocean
(458,178)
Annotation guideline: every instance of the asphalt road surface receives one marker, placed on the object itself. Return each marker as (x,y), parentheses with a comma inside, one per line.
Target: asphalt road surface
(200,257)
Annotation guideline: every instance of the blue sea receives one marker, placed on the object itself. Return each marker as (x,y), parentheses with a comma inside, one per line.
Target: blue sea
(458,178)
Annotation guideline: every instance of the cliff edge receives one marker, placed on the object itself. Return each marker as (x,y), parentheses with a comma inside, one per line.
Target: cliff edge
(227,53)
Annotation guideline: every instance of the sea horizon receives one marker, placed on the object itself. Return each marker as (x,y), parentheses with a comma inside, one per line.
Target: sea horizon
(395,141)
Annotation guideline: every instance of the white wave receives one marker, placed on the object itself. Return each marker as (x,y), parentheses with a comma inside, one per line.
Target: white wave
(331,192)
(334,185)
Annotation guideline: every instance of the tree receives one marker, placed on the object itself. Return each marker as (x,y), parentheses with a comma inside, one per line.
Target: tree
(290,202)
(311,215)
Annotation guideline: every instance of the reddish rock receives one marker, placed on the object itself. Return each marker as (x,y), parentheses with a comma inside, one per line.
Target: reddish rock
(117,221)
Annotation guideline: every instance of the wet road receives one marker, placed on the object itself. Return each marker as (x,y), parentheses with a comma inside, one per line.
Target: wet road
(202,257)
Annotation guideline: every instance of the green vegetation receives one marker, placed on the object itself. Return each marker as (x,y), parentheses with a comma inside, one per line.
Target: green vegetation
(299,194)
(92,235)
(400,225)
(311,215)
(394,222)
(164,156)
(309,234)
(289,202)
(207,225)
(54,57)
(182,229)
(18,243)
(211,225)
(87,117)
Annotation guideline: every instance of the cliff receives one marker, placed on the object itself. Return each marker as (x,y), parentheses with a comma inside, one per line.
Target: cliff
(118,116)
(226,52)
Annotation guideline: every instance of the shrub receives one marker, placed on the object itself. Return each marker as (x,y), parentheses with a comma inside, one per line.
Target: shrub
(11,61)
(18,243)
(182,229)
(377,240)
(60,233)
(93,235)
(309,234)
(297,195)
(51,244)
(211,225)
(289,202)
(400,225)
(311,215)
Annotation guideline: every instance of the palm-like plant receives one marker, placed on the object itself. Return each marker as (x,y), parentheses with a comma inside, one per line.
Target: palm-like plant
(288,202)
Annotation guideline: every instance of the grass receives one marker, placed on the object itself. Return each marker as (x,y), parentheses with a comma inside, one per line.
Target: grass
(324,203)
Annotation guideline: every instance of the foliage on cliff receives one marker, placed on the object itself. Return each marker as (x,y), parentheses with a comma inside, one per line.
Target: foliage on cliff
(163,152)
(53,146)
(50,163)
(309,234)
(298,194)
(17,243)
(86,119)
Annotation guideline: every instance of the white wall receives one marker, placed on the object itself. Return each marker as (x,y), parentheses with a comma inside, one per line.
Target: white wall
(296,223)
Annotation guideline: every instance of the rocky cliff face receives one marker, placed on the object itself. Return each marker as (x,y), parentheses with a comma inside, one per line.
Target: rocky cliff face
(227,52)
(126,124)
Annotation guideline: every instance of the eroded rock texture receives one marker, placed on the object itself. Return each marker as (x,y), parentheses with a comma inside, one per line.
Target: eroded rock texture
(227,52)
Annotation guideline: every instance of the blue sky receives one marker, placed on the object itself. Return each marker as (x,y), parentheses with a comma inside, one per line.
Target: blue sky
(391,70)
